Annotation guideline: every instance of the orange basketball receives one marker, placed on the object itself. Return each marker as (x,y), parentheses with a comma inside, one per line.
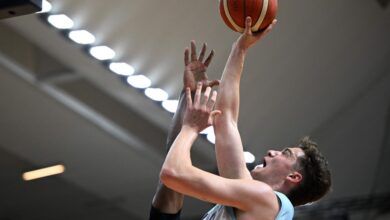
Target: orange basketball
(234,12)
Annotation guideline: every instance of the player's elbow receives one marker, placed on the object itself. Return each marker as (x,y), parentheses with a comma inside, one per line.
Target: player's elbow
(174,177)
(168,175)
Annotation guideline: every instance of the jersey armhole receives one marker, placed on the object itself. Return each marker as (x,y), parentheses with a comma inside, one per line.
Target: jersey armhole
(279,202)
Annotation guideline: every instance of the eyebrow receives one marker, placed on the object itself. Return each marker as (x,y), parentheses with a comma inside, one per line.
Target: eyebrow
(289,152)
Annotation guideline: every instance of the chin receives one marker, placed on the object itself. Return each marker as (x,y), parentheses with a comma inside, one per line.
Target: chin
(256,176)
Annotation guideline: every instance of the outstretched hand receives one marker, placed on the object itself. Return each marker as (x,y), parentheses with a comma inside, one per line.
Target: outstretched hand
(199,113)
(195,68)
(248,38)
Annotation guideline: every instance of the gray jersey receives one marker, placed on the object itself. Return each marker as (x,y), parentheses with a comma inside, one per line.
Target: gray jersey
(220,212)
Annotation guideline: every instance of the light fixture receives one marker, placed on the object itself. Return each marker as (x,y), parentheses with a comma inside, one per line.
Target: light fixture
(211,137)
(123,69)
(81,37)
(60,21)
(156,94)
(139,81)
(46,6)
(102,52)
(208,130)
(249,157)
(170,105)
(44,172)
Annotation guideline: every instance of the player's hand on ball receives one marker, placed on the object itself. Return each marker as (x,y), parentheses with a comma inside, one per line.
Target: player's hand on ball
(248,38)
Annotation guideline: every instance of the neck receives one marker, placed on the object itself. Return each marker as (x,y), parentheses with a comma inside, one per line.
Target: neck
(281,187)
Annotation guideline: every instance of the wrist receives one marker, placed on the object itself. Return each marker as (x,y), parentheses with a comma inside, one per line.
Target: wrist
(190,131)
(240,48)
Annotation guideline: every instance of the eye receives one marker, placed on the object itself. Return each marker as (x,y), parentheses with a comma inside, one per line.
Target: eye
(287,152)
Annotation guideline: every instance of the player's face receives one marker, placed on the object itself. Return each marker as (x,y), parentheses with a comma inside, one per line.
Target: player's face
(277,165)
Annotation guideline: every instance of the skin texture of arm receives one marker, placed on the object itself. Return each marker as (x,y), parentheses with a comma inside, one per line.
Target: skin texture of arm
(165,199)
(229,148)
(179,174)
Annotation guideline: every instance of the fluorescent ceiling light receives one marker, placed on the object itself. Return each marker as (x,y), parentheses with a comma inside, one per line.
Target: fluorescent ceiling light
(156,94)
(123,69)
(46,6)
(44,172)
(82,37)
(211,137)
(139,81)
(60,21)
(249,157)
(170,105)
(102,52)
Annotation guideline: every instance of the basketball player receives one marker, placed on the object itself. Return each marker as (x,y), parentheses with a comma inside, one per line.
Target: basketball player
(291,177)
(166,203)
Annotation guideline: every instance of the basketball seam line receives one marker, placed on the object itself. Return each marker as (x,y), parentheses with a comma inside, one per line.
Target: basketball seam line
(229,17)
(262,16)
(244,18)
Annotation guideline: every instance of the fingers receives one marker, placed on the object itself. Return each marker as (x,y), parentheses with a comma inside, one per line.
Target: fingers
(215,113)
(202,52)
(188,98)
(198,94)
(186,56)
(269,28)
(206,96)
(214,83)
(193,51)
(205,101)
(248,25)
(211,106)
(211,102)
(209,58)
(201,55)
(205,106)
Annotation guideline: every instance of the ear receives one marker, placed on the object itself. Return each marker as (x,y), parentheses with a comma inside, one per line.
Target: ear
(295,177)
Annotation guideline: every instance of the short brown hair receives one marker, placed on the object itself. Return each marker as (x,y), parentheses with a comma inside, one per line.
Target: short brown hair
(316,174)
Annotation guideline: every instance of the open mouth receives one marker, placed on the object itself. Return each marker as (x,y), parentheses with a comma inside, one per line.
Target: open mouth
(262,165)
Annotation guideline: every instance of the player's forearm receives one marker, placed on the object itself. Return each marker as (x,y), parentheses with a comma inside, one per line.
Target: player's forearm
(229,149)
(178,161)
(229,89)
(166,199)
(177,120)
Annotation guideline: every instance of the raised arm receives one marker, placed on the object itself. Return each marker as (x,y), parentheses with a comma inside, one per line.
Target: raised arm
(229,149)
(179,174)
(165,199)
(194,71)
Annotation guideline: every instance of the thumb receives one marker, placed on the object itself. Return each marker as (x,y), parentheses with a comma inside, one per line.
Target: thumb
(248,25)
(213,114)
(214,83)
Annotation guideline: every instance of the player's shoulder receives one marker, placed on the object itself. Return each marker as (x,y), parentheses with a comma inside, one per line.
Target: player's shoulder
(263,203)
(263,190)
(264,197)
